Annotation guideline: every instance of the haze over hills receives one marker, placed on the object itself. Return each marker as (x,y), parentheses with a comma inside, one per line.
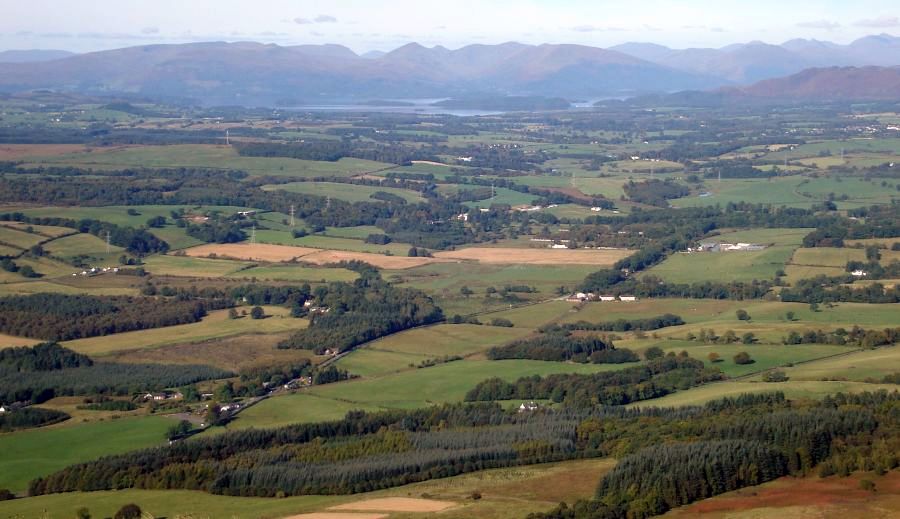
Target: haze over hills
(32,55)
(756,61)
(248,73)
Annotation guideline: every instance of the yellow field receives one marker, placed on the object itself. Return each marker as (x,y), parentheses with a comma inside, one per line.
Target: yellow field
(284,253)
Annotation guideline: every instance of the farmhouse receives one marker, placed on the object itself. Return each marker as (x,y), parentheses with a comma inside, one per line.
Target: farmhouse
(859,273)
(528,407)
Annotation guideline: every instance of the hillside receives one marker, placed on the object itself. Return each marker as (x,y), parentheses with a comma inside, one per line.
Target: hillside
(252,73)
(834,83)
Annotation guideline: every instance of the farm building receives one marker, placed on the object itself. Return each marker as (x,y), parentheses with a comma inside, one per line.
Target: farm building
(628,299)
(528,407)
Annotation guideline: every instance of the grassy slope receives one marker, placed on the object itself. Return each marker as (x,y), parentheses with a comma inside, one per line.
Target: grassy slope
(29,454)
(215,325)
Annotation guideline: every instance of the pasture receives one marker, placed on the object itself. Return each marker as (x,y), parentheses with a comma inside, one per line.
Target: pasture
(532,488)
(19,238)
(439,384)
(214,326)
(233,353)
(291,272)
(170,265)
(731,388)
(697,267)
(211,157)
(84,245)
(533,256)
(30,454)
(397,352)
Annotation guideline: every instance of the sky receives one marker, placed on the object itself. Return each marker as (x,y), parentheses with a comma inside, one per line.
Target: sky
(364,25)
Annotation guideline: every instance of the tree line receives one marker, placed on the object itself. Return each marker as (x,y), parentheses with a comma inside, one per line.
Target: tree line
(369,451)
(61,317)
(562,347)
(57,371)
(655,378)
(361,312)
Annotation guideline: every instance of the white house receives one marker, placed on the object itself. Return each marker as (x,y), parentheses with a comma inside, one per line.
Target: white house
(607,298)
(628,299)
(2,409)
(528,406)
(859,273)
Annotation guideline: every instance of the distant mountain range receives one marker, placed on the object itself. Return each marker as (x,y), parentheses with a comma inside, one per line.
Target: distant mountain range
(32,56)
(258,74)
(756,61)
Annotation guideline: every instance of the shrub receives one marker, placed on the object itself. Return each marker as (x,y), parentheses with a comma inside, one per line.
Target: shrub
(499,321)
(653,352)
(743,358)
(775,376)
(129,511)
(257,313)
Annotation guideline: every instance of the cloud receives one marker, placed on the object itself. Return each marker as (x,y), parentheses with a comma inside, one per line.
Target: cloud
(322,18)
(150,30)
(881,22)
(595,28)
(825,25)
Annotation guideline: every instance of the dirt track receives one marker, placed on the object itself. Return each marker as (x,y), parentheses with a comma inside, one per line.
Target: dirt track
(337,515)
(397,504)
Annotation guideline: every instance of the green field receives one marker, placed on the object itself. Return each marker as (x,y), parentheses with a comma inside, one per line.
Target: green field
(290,272)
(697,267)
(169,265)
(443,383)
(408,389)
(778,191)
(118,214)
(19,239)
(214,157)
(792,236)
(859,367)
(765,356)
(30,454)
(83,245)
(396,352)
(791,389)
(447,278)
(347,192)
(532,488)
(213,326)
(827,257)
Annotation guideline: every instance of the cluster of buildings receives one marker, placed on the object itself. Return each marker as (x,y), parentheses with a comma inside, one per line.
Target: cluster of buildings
(96,271)
(582,297)
(162,396)
(725,247)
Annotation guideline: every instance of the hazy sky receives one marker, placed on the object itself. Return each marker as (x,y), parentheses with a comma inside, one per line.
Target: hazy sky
(86,25)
